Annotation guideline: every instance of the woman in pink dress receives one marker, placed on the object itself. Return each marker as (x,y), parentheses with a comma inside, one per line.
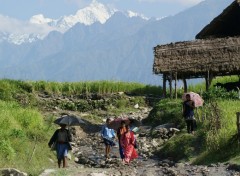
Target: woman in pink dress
(127,142)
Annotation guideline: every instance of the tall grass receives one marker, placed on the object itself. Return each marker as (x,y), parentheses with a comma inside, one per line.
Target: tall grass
(213,141)
(201,87)
(9,88)
(23,138)
(102,87)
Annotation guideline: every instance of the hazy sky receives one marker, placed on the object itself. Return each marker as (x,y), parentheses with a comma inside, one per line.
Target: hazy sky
(24,9)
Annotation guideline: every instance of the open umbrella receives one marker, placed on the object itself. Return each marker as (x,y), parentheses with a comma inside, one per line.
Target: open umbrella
(194,97)
(69,120)
(116,123)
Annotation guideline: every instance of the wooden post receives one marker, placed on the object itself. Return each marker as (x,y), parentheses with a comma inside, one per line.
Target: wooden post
(207,80)
(164,86)
(185,85)
(238,126)
(170,85)
(175,85)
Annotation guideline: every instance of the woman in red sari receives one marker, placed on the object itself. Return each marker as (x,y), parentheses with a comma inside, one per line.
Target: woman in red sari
(127,142)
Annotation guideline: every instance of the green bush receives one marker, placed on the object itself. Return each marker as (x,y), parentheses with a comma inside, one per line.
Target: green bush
(21,130)
(166,111)
(217,93)
(68,106)
(83,106)
(121,103)
(180,147)
(7,150)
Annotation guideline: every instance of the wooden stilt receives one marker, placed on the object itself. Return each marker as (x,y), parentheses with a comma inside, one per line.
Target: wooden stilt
(175,85)
(164,86)
(185,85)
(170,86)
(207,77)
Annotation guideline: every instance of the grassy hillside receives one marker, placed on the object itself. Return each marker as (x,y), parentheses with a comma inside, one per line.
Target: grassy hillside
(25,127)
(215,139)
(23,138)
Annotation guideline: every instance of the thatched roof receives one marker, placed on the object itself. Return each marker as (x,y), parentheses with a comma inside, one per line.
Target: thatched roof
(217,54)
(224,25)
(195,59)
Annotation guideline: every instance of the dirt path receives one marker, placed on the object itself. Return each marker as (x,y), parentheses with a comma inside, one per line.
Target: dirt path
(88,160)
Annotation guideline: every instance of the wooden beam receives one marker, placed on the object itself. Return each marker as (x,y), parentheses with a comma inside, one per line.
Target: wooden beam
(185,88)
(206,83)
(175,85)
(208,79)
(164,86)
(170,85)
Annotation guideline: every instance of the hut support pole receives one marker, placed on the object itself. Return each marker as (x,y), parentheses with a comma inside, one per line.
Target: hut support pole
(185,85)
(208,78)
(164,86)
(207,83)
(170,85)
(175,85)
(238,126)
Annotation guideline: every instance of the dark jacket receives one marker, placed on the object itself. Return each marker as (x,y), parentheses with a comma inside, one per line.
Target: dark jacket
(188,110)
(55,137)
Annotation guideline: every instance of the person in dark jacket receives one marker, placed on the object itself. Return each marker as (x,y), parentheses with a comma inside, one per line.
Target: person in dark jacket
(188,113)
(61,139)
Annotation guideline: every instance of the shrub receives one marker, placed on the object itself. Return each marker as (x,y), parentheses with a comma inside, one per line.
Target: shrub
(6,149)
(217,92)
(178,148)
(83,106)
(121,103)
(68,106)
(166,111)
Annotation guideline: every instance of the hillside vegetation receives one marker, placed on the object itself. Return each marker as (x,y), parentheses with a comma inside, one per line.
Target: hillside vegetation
(26,120)
(216,137)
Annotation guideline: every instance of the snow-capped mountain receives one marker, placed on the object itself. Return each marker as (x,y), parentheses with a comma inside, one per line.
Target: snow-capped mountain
(120,49)
(95,12)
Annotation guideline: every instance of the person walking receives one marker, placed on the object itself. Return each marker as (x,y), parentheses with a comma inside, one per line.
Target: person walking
(61,139)
(108,136)
(128,142)
(188,113)
(121,130)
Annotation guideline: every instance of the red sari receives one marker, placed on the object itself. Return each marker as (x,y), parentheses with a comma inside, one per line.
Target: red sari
(127,143)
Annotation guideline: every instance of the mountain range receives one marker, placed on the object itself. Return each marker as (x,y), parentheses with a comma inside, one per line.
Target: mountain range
(97,43)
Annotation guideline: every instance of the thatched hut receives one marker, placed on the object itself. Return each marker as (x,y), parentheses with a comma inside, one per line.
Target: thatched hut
(216,52)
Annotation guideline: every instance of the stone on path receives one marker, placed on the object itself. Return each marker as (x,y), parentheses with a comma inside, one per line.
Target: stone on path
(47,172)
(12,172)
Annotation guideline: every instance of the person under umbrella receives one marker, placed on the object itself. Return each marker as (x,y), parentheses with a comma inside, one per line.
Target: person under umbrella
(188,113)
(128,142)
(61,139)
(120,132)
(108,136)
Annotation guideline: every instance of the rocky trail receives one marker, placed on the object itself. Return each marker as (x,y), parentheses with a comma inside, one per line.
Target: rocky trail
(88,157)
(89,160)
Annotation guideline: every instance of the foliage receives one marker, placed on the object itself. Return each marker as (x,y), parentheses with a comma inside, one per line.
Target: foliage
(83,106)
(217,93)
(180,147)
(213,141)
(21,130)
(166,111)
(20,91)
(101,87)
